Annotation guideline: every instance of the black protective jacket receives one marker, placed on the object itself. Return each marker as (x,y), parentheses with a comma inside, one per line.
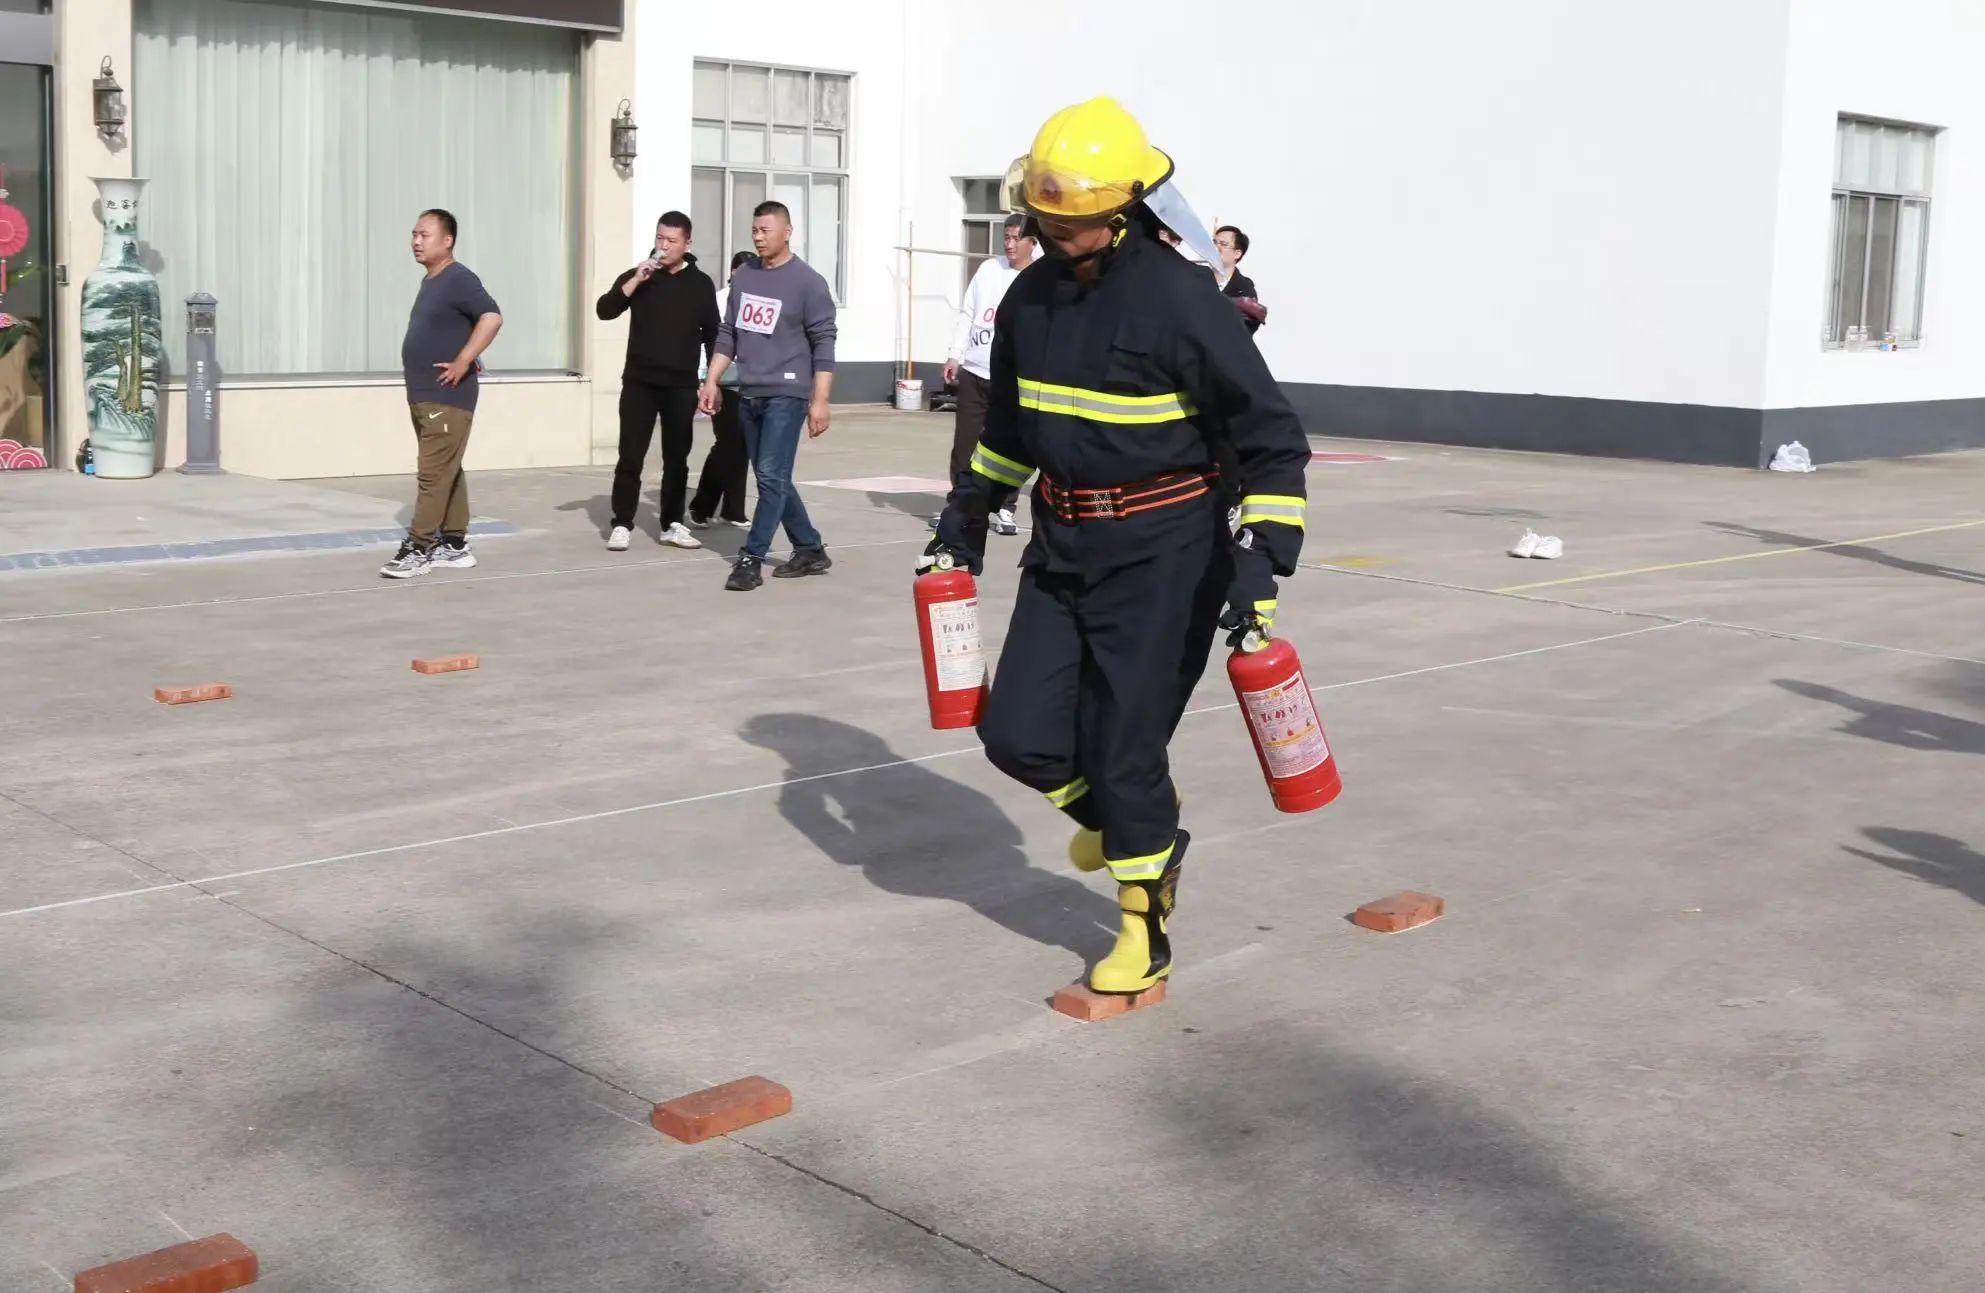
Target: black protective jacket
(1136,374)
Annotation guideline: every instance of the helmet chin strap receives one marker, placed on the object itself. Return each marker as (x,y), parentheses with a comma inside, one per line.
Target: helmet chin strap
(1119,226)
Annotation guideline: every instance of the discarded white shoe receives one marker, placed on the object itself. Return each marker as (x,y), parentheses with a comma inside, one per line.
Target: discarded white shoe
(1549,548)
(1527,545)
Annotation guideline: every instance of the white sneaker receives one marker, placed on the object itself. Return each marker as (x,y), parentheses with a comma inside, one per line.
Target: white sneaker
(739,525)
(678,536)
(1002,522)
(452,556)
(619,539)
(1527,545)
(1549,548)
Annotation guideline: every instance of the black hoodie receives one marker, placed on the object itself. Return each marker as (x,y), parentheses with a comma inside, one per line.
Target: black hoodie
(675,322)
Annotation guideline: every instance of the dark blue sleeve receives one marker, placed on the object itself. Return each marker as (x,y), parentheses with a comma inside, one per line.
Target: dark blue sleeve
(471,297)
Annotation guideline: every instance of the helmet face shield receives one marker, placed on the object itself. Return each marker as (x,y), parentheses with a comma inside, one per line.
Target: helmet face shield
(1170,206)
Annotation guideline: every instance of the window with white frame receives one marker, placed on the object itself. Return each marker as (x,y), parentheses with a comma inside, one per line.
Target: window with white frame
(1881,232)
(985,221)
(286,177)
(775,134)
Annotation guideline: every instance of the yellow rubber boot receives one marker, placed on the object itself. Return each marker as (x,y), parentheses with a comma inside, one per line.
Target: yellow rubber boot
(1085,847)
(1143,954)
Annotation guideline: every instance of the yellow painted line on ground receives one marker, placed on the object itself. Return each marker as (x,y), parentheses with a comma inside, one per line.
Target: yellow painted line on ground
(1356,561)
(1741,556)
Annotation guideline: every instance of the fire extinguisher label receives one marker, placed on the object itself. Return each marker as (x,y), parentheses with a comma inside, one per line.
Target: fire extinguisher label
(954,640)
(1284,720)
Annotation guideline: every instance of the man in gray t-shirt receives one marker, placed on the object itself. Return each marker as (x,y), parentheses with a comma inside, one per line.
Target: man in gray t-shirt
(453,321)
(778,331)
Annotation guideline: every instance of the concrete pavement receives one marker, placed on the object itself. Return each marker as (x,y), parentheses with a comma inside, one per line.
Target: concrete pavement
(380,972)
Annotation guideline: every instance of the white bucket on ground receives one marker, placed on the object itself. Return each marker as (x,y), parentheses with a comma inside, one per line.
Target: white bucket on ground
(910,394)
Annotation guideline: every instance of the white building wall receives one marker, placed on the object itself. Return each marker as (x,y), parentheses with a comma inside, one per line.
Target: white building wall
(866,38)
(1545,196)
(1920,61)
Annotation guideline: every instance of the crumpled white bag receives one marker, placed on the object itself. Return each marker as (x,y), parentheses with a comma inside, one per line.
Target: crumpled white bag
(1792,457)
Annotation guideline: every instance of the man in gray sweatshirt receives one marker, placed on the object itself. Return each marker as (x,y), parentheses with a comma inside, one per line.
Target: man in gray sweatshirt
(778,329)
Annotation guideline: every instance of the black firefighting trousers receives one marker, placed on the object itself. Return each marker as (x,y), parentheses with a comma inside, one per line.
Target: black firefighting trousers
(1094,676)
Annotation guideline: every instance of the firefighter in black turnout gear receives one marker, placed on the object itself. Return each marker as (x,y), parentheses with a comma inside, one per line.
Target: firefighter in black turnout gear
(1117,368)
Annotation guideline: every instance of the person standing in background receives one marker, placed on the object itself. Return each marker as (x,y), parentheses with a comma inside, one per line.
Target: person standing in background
(674,305)
(968,363)
(720,489)
(779,330)
(1236,286)
(453,321)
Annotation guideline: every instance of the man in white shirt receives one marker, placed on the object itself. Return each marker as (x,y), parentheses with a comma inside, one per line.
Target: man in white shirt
(969,361)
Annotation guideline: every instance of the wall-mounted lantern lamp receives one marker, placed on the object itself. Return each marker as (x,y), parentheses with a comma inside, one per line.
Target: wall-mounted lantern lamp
(109,97)
(623,136)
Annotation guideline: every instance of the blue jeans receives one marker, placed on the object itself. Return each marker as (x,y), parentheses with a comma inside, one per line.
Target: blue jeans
(771,426)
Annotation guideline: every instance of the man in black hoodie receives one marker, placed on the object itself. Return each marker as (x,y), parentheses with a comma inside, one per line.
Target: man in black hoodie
(675,322)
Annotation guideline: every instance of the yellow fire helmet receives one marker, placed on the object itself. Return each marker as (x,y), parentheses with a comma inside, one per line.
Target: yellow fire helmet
(1089,161)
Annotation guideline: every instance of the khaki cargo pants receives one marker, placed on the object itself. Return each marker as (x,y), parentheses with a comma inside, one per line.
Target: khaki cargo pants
(442,506)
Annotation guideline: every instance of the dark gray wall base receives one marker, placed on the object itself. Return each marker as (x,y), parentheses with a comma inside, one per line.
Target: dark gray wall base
(873,381)
(1692,433)
(1711,435)
(1841,432)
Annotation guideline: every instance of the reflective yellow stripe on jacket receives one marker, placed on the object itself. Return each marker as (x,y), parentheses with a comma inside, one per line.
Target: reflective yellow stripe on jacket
(1283,509)
(999,468)
(1101,406)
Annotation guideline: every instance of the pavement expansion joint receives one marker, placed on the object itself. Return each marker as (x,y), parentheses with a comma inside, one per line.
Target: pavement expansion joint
(884,1208)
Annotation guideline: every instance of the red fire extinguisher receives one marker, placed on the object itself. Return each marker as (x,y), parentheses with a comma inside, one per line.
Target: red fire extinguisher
(948,627)
(1281,715)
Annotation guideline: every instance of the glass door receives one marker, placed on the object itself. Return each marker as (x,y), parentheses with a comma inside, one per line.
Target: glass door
(27,266)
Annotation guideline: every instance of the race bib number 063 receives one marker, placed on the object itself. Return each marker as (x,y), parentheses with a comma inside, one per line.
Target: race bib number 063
(759,313)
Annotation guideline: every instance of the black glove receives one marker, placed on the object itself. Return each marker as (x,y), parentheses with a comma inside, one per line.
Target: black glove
(1251,595)
(961,537)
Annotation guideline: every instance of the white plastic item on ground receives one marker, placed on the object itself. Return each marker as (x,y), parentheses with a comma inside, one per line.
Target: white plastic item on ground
(910,394)
(1792,457)
(1527,545)
(1549,548)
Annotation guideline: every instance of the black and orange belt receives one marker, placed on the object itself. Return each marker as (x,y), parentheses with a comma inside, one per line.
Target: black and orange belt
(1121,501)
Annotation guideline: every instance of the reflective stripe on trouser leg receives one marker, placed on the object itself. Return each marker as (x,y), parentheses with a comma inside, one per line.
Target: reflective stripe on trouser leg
(1148,867)
(1075,800)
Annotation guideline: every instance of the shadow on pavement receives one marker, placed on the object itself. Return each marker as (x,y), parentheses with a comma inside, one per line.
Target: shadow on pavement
(915,833)
(1376,1177)
(1903,725)
(1937,859)
(1857,551)
(599,510)
(457,1159)
(921,506)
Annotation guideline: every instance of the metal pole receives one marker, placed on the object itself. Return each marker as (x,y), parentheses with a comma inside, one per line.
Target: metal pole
(203,427)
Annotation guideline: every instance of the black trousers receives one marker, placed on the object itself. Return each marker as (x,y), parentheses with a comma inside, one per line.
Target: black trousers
(720,491)
(640,405)
(1094,676)
(969,421)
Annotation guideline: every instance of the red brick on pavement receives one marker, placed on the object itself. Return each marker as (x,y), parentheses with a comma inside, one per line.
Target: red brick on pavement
(1079,1001)
(192,695)
(720,1110)
(1399,912)
(210,1265)
(447,664)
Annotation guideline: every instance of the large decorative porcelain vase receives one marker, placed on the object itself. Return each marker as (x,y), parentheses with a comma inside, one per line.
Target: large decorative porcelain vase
(122,338)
